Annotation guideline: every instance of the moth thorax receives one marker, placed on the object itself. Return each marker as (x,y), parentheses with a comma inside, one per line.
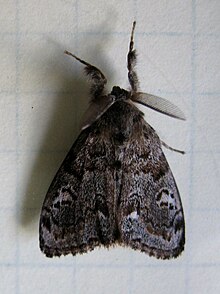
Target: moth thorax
(120,94)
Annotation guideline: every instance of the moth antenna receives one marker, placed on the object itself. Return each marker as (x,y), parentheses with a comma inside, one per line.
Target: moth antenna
(159,104)
(131,62)
(132,36)
(172,149)
(97,77)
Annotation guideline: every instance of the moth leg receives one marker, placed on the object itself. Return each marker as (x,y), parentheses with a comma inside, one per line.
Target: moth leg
(131,62)
(97,77)
(172,149)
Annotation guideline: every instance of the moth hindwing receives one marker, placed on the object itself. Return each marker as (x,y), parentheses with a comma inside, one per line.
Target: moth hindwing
(115,185)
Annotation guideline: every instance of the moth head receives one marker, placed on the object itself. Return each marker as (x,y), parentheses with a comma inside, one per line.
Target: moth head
(119,93)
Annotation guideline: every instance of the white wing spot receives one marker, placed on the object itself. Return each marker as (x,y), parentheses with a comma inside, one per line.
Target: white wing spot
(133,215)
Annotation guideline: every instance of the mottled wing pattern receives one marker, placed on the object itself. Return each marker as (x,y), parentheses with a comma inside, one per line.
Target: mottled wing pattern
(77,214)
(150,214)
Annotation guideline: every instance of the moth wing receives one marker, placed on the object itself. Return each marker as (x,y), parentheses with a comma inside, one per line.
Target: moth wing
(76,215)
(159,104)
(150,211)
(96,109)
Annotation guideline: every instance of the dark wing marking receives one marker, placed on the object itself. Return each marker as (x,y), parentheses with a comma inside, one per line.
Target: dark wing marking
(77,214)
(150,214)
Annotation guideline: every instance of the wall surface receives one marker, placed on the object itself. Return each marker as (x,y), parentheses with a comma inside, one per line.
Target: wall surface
(43,94)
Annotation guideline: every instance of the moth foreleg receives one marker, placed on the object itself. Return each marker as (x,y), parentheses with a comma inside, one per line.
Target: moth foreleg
(172,149)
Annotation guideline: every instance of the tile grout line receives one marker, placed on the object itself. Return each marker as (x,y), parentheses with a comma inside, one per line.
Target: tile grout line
(145,34)
(75,36)
(154,92)
(17,38)
(131,262)
(192,134)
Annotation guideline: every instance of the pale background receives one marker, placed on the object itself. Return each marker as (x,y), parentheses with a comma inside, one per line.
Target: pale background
(43,94)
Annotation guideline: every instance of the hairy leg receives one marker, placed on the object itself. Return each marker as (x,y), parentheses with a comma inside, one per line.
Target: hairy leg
(131,62)
(97,77)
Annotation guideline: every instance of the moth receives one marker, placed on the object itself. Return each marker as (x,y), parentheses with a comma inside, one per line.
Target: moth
(115,186)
